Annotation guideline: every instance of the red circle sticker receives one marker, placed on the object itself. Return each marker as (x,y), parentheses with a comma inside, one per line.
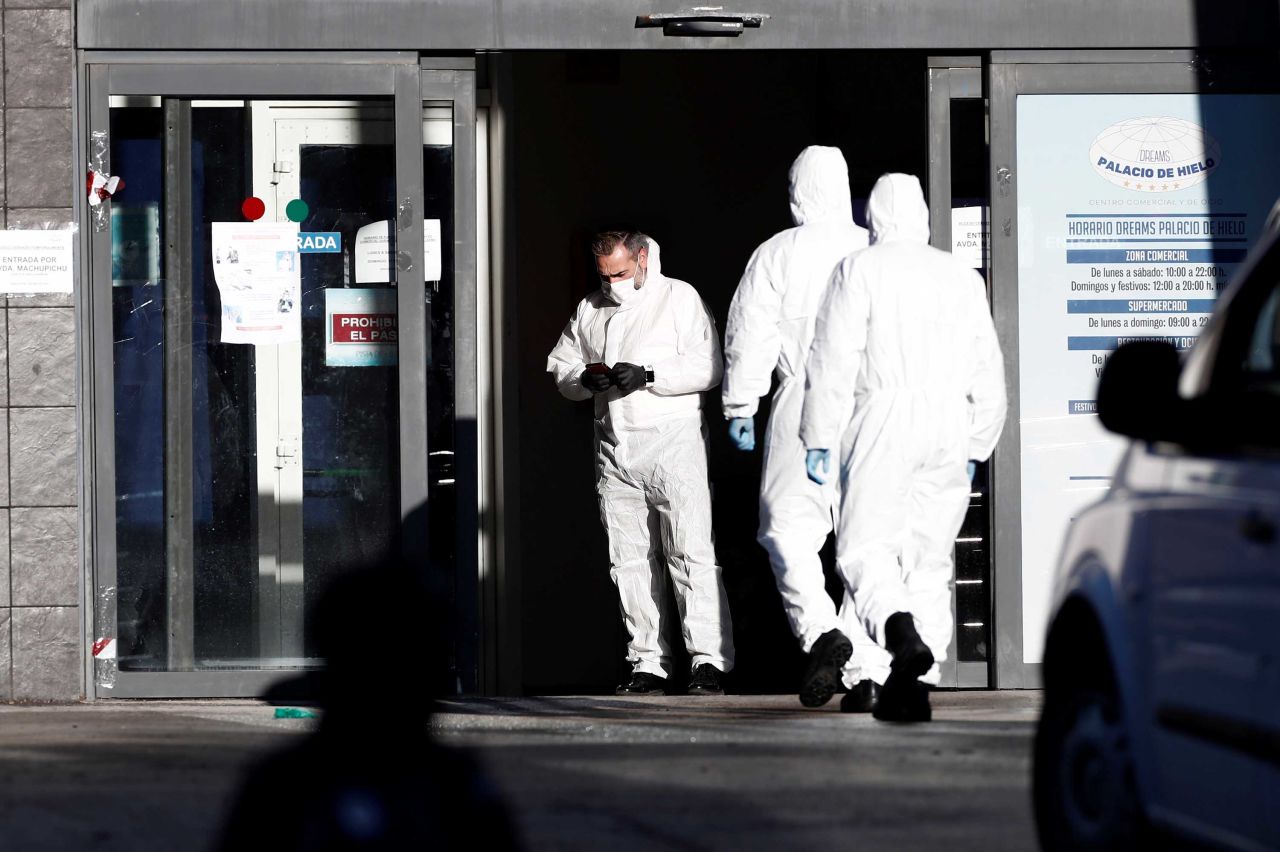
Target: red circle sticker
(253,208)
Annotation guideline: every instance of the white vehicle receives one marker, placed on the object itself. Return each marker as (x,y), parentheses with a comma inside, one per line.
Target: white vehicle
(1162,662)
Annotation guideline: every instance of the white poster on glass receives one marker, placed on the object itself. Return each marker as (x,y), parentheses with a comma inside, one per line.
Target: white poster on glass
(373,252)
(1133,213)
(255,265)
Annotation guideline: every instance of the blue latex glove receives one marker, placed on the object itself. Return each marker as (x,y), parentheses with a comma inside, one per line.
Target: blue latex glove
(815,461)
(973,468)
(742,431)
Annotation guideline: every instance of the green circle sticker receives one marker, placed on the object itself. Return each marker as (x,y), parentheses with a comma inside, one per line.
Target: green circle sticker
(297,210)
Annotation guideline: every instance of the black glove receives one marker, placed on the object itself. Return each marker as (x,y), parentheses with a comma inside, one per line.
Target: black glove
(595,382)
(627,377)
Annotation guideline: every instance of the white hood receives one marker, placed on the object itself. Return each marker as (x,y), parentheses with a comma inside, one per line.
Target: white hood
(820,186)
(655,258)
(897,212)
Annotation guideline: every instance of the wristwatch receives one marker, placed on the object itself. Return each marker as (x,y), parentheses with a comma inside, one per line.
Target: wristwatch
(648,374)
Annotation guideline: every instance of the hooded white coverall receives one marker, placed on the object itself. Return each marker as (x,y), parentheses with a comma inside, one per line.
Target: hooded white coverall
(905,334)
(770,328)
(651,461)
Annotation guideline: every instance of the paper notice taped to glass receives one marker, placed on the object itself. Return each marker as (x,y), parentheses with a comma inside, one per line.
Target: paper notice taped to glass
(255,265)
(373,252)
(35,261)
(970,235)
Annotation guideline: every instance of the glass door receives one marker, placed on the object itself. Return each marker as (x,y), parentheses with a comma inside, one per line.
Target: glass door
(328,494)
(260,343)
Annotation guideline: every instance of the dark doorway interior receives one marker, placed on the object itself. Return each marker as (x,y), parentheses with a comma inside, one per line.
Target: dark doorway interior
(693,148)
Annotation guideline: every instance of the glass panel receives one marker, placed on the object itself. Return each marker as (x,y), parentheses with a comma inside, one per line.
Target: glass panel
(292,446)
(222,406)
(973,545)
(438,188)
(351,432)
(138,321)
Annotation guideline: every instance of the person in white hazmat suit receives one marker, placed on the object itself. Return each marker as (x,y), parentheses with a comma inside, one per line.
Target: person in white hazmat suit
(904,333)
(646,348)
(769,331)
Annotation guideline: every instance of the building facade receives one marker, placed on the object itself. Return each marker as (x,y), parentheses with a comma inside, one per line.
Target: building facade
(309,327)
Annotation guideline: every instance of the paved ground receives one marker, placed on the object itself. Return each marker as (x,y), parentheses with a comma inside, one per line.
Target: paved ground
(743,772)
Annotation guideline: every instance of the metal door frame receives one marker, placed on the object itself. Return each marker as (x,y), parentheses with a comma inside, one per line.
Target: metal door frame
(951,78)
(230,75)
(453,80)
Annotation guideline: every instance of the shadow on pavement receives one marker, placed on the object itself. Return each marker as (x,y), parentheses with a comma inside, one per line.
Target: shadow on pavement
(370,776)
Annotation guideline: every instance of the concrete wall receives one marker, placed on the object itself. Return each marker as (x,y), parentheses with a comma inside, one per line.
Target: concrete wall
(40,577)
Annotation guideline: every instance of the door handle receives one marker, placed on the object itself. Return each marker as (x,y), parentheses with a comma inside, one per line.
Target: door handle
(1257,528)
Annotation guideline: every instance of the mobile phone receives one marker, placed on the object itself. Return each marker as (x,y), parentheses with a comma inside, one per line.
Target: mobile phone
(598,368)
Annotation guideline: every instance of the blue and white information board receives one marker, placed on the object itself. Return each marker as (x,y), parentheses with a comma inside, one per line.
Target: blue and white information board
(1133,213)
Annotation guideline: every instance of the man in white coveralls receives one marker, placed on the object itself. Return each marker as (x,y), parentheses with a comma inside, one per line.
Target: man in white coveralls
(645,347)
(769,331)
(904,333)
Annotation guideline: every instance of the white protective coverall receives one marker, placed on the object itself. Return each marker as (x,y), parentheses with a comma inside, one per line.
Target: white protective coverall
(651,462)
(905,332)
(769,331)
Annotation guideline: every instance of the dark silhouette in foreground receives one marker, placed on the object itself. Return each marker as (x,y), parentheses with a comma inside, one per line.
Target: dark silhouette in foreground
(370,777)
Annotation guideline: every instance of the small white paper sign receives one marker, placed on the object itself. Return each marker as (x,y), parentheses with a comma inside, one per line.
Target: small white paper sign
(970,236)
(373,252)
(35,261)
(432,258)
(255,265)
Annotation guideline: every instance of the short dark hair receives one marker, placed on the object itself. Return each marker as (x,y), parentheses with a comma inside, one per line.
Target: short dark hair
(606,242)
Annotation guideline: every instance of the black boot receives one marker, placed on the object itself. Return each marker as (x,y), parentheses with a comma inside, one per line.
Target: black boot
(910,654)
(643,683)
(706,680)
(822,673)
(904,698)
(861,698)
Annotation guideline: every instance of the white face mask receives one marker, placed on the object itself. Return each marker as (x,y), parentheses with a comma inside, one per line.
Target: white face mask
(626,291)
(622,291)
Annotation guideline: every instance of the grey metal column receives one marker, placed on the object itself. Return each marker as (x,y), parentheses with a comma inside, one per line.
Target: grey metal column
(454,81)
(466,449)
(939,189)
(1006,527)
(414,330)
(939,155)
(505,630)
(97,365)
(179,455)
